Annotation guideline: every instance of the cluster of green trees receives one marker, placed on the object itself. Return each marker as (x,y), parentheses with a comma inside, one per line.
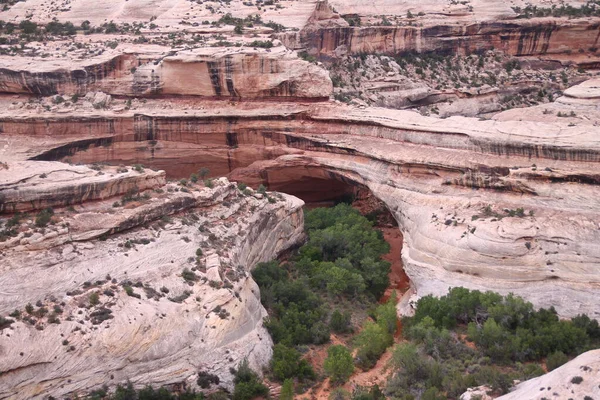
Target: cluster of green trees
(248,384)
(508,328)
(437,364)
(340,262)
(343,253)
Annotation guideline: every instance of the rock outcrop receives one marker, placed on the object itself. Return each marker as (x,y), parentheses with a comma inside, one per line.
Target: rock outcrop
(519,38)
(489,205)
(577,379)
(143,305)
(244,73)
(325,37)
(26,186)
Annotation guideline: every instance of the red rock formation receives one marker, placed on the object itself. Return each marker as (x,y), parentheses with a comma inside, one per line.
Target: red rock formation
(214,72)
(324,36)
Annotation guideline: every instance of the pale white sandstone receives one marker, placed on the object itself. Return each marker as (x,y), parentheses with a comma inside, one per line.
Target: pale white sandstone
(150,340)
(558,384)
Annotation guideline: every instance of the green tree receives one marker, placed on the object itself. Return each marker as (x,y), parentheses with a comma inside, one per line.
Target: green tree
(387,316)
(287,363)
(340,322)
(203,172)
(248,385)
(287,390)
(339,364)
(371,342)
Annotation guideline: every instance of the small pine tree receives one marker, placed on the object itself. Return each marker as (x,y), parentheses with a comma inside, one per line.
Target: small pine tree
(287,390)
(340,323)
(339,364)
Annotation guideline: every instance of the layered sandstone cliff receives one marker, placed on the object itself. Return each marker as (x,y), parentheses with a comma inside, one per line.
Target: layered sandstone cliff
(28,186)
(508,204)
(443,33)
(241,73)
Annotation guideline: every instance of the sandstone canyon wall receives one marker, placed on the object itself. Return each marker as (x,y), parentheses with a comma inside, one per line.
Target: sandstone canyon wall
(448,182)
(508,203)
(213,73)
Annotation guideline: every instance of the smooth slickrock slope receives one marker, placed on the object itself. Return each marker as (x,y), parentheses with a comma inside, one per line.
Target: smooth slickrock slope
(559,384)
(162,337)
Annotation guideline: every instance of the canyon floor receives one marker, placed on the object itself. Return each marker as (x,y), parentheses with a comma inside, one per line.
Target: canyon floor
(134,136)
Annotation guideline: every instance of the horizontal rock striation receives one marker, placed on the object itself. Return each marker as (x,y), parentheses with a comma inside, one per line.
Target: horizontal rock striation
(328,37)
(34,186)
(507,204)
(209,72)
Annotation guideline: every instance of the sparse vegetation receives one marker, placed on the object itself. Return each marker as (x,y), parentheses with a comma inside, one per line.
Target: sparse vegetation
(43,218)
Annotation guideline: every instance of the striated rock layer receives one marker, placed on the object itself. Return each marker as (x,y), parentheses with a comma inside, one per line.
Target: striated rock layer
(518,38)
(148,71)
(438,31)
(509,205)
(31,186)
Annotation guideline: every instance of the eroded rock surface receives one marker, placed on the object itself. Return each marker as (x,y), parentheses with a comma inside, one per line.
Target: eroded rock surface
(171,325)
(239,73)
(576,379)
(508,202)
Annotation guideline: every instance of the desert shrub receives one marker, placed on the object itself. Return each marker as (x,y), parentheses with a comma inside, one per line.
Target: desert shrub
(5,322)
(340,322)
(100,315)
(555,360)
(43,217)
(203,172)
(576,380)
(265,44)
(189,276)
(206,380)
(130,292)
(94,299)
(180,298)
